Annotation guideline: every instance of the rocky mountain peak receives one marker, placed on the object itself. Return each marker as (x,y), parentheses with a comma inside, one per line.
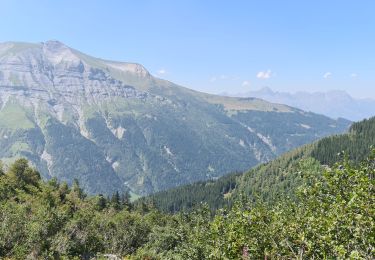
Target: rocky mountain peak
(56,52)
(55,55)
(54,44)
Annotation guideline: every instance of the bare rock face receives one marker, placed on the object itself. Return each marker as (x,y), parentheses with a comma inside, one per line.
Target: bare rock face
(113,126)
(54,70)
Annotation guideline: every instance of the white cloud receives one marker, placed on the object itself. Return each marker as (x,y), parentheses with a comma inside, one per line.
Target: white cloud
(162,71)
(223,77)
(327,75)
(245,83)
(353,75)
(264,74)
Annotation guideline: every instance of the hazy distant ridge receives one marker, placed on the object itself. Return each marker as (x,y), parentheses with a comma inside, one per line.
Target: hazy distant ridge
(334,103)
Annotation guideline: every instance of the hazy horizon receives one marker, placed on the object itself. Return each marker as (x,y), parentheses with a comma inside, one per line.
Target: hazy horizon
(309,92)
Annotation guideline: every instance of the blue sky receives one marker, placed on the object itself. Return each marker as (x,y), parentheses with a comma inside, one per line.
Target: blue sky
(215,46)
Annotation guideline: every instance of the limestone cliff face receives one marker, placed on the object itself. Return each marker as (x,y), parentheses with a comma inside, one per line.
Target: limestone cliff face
(53,72)
(113,126)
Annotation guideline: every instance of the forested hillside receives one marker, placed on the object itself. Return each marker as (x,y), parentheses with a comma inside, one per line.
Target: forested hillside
(275,180)
(215,193)
(332,217)
(356,143)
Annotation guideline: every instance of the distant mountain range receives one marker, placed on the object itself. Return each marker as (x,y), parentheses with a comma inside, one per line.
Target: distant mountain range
(335,103)
(113,126)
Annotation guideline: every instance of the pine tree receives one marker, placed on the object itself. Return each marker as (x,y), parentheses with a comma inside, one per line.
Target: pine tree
(101,202)
(77,189)
(1,169)
(125,200)
(115,201)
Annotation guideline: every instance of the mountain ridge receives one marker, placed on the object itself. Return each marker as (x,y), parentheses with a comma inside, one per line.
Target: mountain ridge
(114,126)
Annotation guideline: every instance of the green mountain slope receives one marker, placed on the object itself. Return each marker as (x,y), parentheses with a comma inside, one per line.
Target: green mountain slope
(113,126)
(275,180)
